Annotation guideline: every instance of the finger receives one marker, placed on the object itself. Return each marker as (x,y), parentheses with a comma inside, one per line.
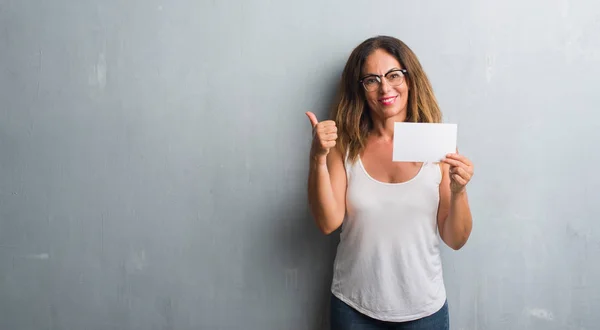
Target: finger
(456,163)
(330,137)
(458,179)
(461,172)
(327,123)
(313,119)
(460,158)
(452,162)
(327,129)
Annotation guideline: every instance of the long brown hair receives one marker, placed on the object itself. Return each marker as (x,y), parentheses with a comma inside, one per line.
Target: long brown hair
(350,112)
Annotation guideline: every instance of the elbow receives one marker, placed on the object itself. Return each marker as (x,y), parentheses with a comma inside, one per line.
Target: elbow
(455,242)
(457,245)
(327,223)
(456,238)
(327,228)
(326,231)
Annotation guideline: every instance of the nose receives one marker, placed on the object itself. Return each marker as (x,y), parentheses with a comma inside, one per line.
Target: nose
(384,86)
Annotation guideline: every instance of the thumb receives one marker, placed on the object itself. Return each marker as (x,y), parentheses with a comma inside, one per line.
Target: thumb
(313,119)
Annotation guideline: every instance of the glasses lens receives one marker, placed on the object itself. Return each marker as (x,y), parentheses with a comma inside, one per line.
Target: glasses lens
(395,78)
(371,83)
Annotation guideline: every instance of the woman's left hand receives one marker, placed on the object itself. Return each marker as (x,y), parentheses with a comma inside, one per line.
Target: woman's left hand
(461,171)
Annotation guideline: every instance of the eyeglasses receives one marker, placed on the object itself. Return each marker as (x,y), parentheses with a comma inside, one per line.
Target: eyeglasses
(373,82)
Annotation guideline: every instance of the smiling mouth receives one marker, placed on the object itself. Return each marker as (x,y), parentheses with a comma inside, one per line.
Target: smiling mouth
(388,100)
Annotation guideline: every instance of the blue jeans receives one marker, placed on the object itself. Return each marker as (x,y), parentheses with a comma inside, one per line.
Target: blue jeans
(344,317)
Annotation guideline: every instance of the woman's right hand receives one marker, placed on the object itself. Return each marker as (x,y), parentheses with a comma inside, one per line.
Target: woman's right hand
(324,137)
(326,176)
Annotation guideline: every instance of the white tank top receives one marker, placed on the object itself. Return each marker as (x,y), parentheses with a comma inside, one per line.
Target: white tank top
(388,263)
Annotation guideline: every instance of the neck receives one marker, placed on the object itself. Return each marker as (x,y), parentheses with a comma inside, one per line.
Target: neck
(383,128)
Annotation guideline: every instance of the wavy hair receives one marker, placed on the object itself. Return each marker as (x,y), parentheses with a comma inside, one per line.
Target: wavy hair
(350,111)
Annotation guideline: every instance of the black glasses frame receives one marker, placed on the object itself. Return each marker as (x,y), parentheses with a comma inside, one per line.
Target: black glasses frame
(380,77)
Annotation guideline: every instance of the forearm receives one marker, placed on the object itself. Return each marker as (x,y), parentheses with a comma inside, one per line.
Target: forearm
(457,226)
(321,197)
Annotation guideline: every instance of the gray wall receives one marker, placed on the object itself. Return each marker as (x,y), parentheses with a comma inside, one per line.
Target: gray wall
(154,158)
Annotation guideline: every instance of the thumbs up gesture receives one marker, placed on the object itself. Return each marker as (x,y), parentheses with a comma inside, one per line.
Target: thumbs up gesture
(324,137)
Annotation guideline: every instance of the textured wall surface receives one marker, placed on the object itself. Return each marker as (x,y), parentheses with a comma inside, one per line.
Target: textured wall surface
(154,158)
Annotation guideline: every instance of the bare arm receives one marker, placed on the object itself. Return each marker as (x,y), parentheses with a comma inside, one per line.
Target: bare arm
(327,191)
(454,213)
(326,178)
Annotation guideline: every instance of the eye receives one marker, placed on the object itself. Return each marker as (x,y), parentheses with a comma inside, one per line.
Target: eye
(370,81)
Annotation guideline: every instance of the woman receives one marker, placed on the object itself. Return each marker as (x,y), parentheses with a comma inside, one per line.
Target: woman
(387,271)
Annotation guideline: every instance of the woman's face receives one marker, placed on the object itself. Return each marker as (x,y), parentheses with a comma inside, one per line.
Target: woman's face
(384,99)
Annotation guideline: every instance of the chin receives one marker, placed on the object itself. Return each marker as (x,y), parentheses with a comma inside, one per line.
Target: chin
(389,112)
(393,112)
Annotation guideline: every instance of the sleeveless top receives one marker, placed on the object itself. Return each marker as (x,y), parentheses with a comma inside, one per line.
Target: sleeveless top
(388,263)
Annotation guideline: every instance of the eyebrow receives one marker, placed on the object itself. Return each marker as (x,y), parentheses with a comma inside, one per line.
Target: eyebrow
(373,74)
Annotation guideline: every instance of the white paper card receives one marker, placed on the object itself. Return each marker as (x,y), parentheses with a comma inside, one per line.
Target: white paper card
(423,142)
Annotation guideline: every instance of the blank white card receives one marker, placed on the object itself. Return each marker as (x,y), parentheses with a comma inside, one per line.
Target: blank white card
(423,142)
